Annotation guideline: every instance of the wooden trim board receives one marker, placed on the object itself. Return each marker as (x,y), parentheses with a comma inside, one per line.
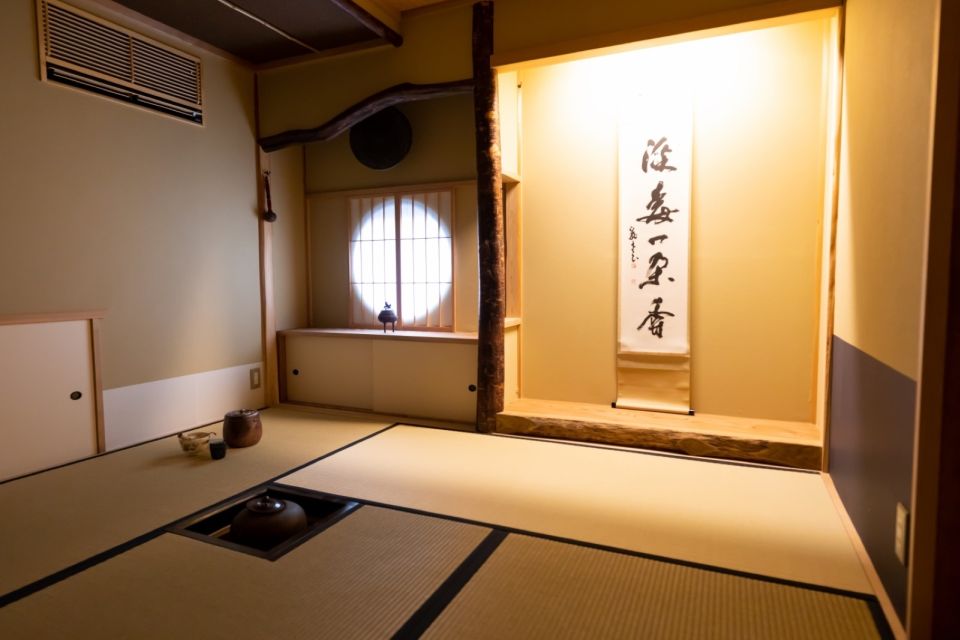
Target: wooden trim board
(885,604)
(382,191)
(934,577)
(52,316)
(828,280)
(378,334)
(97,384)
(268,333)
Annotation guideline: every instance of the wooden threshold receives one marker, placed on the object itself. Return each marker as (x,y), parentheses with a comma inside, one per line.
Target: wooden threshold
(788,444)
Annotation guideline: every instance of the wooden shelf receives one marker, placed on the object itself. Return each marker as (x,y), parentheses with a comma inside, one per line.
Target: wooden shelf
(52,316)
(378,334)
(790,444)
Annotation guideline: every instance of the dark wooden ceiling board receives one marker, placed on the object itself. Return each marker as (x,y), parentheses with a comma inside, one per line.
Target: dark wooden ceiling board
(319,23)
(220,26)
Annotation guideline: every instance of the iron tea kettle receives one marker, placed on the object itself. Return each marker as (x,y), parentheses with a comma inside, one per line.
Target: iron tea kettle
(265,522)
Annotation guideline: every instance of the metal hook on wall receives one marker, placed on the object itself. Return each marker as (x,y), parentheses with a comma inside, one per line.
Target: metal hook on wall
(269,215)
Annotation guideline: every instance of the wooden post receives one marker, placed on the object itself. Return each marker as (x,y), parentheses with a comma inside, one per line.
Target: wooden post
(268,321)
(489,222)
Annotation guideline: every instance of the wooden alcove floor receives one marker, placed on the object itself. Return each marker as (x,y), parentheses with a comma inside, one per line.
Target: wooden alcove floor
(789,444)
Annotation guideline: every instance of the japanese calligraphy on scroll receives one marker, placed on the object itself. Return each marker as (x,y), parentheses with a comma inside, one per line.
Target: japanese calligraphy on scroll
(655,150)
(654,238)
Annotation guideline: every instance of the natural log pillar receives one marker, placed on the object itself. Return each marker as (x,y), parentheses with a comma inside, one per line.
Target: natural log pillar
(489,222)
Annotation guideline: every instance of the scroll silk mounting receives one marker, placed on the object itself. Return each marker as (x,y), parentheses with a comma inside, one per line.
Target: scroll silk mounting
(653,350)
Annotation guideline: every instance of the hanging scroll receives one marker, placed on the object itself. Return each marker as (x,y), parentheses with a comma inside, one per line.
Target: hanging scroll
(653,355)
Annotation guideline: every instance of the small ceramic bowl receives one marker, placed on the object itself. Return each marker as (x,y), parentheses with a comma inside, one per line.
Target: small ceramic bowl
(195,442)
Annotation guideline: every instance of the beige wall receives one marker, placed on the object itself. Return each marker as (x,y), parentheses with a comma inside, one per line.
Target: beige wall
(442,151)
(885,178)
(109,206)
(759,149)
(289,237)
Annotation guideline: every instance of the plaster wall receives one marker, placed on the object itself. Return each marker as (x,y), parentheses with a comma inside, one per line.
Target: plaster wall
(760,103)
(442,150)
(289,236)
(108,206)
(885,178)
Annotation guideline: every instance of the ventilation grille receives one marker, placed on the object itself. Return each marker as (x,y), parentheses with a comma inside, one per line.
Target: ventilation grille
(84,51)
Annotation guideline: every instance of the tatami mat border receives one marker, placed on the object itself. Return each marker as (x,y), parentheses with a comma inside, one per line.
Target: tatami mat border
(113,451)
(446,592)
(417,624)
(420,621)
(592,545)
(103,556)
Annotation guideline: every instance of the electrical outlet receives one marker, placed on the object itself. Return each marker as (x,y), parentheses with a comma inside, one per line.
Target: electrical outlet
(255,378)
(900,534)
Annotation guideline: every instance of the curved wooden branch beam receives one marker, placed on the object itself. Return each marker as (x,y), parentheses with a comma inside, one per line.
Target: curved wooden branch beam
(397,94)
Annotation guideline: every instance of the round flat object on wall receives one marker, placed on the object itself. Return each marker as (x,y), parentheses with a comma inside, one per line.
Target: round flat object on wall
(382,140)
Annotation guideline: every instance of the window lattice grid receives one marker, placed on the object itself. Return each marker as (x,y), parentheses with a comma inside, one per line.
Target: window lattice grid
(426,260)
(373,258)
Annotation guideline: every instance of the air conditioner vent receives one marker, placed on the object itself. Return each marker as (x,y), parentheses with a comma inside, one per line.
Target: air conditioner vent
(87,52)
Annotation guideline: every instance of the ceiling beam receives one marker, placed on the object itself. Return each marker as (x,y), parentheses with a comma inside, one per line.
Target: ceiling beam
(385,24)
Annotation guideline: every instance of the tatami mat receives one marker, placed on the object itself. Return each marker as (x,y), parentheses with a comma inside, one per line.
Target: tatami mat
(57,518)
(764,521)
(361,578)
(533,588)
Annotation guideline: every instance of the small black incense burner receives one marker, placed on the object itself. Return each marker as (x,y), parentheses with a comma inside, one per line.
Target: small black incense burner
(388,315)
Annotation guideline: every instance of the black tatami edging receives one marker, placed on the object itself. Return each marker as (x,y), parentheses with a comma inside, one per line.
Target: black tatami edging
(448,590)
(880,620)
(431,609)
(74,569)
(92,561)
(118,450)
(600,547)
